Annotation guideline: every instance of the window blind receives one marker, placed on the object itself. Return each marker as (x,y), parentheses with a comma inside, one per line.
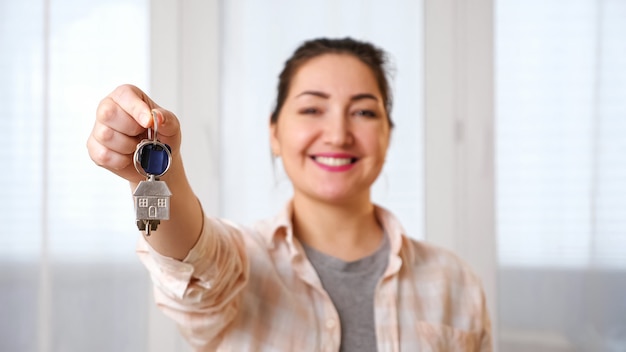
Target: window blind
(561,160)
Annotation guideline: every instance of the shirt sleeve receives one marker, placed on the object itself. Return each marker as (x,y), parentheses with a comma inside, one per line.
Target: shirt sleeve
(486,337)
(201,292)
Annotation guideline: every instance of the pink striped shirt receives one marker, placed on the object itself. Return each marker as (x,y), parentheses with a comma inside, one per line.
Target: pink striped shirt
(253,289)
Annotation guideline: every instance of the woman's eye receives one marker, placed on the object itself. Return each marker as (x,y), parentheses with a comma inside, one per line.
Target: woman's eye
(310,111)
(366,113)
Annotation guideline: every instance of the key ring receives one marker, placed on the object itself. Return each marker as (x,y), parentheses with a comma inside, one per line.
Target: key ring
(152,140)
(155,125)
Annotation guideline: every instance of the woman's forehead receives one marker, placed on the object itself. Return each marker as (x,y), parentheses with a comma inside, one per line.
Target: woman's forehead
(334,74)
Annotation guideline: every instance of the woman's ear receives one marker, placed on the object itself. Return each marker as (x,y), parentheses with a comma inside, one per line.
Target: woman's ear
(274,141)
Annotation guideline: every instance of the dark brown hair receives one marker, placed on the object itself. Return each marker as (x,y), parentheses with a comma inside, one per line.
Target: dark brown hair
(375,58)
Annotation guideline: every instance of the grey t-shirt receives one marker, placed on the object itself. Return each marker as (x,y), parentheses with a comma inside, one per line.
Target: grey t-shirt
(351,287)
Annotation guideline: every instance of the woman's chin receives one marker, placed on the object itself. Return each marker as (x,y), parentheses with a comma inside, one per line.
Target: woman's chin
(339,196)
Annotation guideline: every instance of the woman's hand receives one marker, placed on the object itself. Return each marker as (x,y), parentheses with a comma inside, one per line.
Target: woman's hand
(122,119)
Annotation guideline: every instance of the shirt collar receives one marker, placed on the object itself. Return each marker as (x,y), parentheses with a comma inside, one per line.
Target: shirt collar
(392,227)
(280,226)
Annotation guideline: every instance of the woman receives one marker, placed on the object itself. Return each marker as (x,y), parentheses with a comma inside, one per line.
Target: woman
(332,271)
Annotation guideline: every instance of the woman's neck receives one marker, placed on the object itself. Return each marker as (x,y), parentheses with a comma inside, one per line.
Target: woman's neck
(348,231)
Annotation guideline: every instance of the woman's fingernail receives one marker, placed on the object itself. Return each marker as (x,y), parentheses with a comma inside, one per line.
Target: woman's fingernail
(145,118)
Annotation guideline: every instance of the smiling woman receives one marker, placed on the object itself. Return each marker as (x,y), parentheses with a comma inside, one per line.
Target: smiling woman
(332,271)
(332,135)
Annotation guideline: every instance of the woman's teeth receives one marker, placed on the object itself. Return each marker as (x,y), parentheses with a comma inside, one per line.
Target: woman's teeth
(333,161)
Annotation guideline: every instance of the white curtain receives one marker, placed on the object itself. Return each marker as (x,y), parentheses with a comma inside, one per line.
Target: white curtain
(561,171)
(69,279)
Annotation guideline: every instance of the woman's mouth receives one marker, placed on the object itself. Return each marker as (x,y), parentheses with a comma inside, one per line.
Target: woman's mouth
(330,161)
(335,162)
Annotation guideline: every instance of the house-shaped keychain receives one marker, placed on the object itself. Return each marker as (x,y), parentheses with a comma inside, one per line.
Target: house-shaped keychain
(152,200)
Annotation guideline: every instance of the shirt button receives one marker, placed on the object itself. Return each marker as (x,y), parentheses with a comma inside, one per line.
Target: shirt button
(330,323)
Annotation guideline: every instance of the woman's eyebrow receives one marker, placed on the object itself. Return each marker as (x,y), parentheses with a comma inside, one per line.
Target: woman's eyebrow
(364,96)
(355,97)
(314,93)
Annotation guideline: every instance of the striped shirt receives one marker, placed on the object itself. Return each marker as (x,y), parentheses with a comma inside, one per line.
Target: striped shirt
(253,289)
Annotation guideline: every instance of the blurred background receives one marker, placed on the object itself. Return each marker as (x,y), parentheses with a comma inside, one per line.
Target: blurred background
(509,148)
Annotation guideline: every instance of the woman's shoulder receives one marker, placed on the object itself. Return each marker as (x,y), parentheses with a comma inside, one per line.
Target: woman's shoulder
(425,258)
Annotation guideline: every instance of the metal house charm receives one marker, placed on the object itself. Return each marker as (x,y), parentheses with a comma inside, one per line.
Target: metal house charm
(152,203)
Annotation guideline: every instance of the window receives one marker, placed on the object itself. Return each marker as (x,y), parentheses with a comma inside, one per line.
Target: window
(561,170)
(59,58)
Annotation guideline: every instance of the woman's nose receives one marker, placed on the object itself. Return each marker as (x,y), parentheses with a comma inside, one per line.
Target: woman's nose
(338,131)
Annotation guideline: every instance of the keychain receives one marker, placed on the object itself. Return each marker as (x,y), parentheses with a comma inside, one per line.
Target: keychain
(152,196)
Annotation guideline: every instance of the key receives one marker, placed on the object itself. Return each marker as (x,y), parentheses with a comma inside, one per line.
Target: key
(152,196)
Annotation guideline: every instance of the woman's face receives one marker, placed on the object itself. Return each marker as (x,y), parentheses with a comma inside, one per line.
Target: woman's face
(332,132)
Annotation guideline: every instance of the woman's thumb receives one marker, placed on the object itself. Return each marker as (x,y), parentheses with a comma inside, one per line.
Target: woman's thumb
(167,124)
